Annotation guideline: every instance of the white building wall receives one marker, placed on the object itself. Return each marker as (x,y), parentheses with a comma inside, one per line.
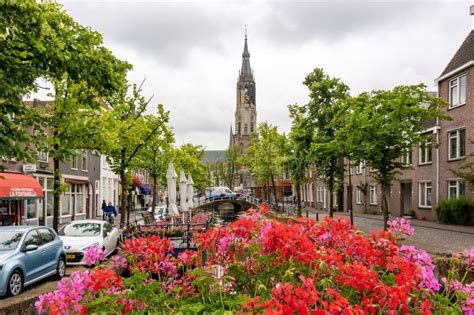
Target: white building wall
(109,186)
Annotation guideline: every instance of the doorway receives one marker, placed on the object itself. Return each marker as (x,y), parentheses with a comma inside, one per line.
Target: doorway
(405,198)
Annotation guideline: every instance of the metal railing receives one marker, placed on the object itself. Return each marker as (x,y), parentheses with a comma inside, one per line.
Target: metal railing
(209,200)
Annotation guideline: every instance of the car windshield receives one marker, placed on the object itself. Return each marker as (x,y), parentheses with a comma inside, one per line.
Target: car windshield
(80,229)
(9,240)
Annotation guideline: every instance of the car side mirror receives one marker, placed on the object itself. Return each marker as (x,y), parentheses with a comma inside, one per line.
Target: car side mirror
(105,234)
(30,247)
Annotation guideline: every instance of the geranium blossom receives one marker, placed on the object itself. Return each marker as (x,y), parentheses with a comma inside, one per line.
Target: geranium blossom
(400,227)
(94,255)
(264,266)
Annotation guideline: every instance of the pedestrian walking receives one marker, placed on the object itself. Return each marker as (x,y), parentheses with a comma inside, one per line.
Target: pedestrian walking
(104,205)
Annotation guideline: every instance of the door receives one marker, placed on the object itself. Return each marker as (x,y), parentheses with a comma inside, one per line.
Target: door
(405,198)
(109,240)
(50,247)
(34,261)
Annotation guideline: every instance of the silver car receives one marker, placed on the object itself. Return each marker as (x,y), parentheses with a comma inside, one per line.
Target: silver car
(27,255)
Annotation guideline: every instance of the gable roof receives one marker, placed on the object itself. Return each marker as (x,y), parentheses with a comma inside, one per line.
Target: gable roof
(464,54)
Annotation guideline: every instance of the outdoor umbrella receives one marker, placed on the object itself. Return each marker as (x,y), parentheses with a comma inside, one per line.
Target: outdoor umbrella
(171,180)
(183,188)
(190,192)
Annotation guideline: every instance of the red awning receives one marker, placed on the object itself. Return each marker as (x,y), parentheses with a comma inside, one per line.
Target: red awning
(19,186)
(76,181)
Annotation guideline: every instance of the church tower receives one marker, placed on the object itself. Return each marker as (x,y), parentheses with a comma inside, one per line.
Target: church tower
(245,111)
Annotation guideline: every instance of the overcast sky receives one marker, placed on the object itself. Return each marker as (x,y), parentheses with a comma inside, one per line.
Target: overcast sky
(190,51)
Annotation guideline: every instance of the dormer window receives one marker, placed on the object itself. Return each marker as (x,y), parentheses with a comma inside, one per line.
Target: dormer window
(457,91)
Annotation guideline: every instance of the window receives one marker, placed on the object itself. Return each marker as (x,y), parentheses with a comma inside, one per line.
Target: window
(48,184)
(321,194)
(406,158)
(42,156)
(84,161)
(32,238)
(74,163)
(31,212)
(251,126)
(72,201)
(425,195)
(359,167)
(359,195)
(373,194)
(457,91)
(239,129)
(425,153)
(108,228)
(246,129)
(334,198)
(457,144)
(456,189)
(46,235)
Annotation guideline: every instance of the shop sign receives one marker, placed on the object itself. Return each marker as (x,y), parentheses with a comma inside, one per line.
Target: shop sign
(22,192)
(29,168)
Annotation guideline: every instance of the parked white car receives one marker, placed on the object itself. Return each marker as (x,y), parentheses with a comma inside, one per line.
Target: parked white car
(78,236)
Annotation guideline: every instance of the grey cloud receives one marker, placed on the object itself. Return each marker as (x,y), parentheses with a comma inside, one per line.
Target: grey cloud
(166,31)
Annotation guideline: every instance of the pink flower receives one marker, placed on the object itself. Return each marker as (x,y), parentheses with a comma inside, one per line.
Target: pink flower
(94,255)
(469,255)
(421,258)
(266,227)
(400,227)
(119,262)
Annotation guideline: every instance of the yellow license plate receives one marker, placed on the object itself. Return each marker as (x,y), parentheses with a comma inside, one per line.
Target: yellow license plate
(70,256)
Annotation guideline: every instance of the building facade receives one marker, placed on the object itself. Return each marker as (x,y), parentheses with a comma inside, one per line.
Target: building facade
(428,176)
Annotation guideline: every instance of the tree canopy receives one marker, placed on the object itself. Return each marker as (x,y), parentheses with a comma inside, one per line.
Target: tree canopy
(384,125)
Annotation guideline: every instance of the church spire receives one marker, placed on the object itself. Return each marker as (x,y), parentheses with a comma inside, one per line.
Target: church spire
(246,70)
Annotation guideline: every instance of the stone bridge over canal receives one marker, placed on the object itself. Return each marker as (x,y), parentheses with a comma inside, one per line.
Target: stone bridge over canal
(226,204)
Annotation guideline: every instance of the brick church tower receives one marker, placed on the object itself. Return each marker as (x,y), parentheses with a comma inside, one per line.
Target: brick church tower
(245,110)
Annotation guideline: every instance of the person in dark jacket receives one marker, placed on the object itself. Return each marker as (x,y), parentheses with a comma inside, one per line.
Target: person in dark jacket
(110,210)
(104,205)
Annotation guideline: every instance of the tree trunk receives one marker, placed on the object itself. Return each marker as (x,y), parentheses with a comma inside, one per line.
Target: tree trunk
(56,193)
(384,188)
(123,197)
(331,195)
(298,198)
(274,191)
(153,201)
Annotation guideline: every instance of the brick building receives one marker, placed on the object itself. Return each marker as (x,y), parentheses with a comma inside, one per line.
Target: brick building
(427,177)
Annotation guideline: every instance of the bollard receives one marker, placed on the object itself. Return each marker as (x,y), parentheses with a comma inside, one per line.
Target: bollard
(317,216)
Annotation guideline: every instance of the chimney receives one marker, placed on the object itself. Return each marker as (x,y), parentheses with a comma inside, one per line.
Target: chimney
(471,11)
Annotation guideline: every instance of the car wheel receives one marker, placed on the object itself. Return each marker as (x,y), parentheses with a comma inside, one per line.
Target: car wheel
(15,283)
(61,268)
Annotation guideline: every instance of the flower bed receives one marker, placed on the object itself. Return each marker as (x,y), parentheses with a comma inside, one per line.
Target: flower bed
(263,266)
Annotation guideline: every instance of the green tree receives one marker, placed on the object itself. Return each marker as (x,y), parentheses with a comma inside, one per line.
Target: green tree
(25,53)
(384,125)
(297,161)
(230,166)
(128,131)
(153,157)
(188,158)
(84,73)
(39,40)
(321,117)
(265,155)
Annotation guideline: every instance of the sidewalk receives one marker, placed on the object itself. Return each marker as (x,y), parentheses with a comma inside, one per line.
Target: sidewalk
(414,222)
